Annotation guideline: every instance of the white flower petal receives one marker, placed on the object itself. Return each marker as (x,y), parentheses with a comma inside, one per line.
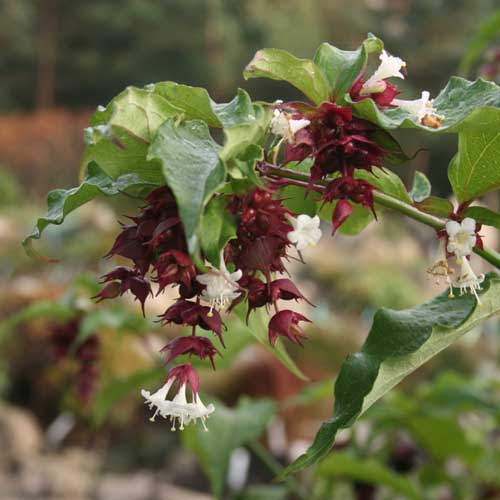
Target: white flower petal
(306,231)
(469,225)
(452,228)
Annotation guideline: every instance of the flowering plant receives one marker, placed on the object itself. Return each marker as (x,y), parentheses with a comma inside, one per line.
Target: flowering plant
(216,226)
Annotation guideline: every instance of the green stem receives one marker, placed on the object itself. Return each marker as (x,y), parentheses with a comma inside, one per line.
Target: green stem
(488,254)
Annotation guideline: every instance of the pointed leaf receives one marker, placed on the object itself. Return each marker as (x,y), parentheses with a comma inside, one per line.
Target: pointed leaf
(399,342)
(342,67)
(303,74)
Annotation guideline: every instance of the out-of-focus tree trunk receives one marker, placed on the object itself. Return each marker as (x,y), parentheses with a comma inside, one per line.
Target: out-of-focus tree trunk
(46,77)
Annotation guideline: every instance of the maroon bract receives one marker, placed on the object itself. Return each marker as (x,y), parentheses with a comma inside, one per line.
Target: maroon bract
(198,346)
(382,99)
(193,314)
(185,374)
(123,279)
(286,324)
(174,267)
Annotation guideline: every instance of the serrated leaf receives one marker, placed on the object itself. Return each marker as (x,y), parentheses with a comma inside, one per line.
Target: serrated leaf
(421,188)
(345,465)
(399,342)
(229,428)
(217,227)
(190,162)
(484,216)
(303,74)
(440,207)
(61,202)
(342,67)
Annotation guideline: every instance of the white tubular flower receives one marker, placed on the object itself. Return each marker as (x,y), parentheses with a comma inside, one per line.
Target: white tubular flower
(306,231)
(461,237)
(282,124)
(418,108)
(389,67)
(179,410)
(221,285)
(441,269)
(467,279)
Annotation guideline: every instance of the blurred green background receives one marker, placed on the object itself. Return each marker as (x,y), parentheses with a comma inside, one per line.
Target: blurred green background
(61,59)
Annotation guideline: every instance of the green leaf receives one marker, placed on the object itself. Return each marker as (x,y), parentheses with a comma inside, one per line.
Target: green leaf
(382,179)
(421,188)
(475,169)
(398,343)
(119,137)
(229,428)
(342,67)
(239,111)
(245,165)
(217,227)
(192,168)
(239,137)
(386,181)
(303,74)
(460,102)
(63,201)
(344,465)
(440,207)
(484,216)
(193,102)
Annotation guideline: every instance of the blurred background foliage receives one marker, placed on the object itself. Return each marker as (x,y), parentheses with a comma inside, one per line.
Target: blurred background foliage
(60,60)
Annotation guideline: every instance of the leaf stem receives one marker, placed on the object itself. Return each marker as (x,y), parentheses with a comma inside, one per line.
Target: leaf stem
(488,254)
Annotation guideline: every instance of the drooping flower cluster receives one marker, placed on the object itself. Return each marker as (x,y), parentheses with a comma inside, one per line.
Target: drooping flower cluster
(86,354)
(156,245)
(458,240)
(339,144)
(265,233)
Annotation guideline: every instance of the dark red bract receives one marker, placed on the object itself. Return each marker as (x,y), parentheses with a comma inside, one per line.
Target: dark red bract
(285,324)
(198,346)
(185,374)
